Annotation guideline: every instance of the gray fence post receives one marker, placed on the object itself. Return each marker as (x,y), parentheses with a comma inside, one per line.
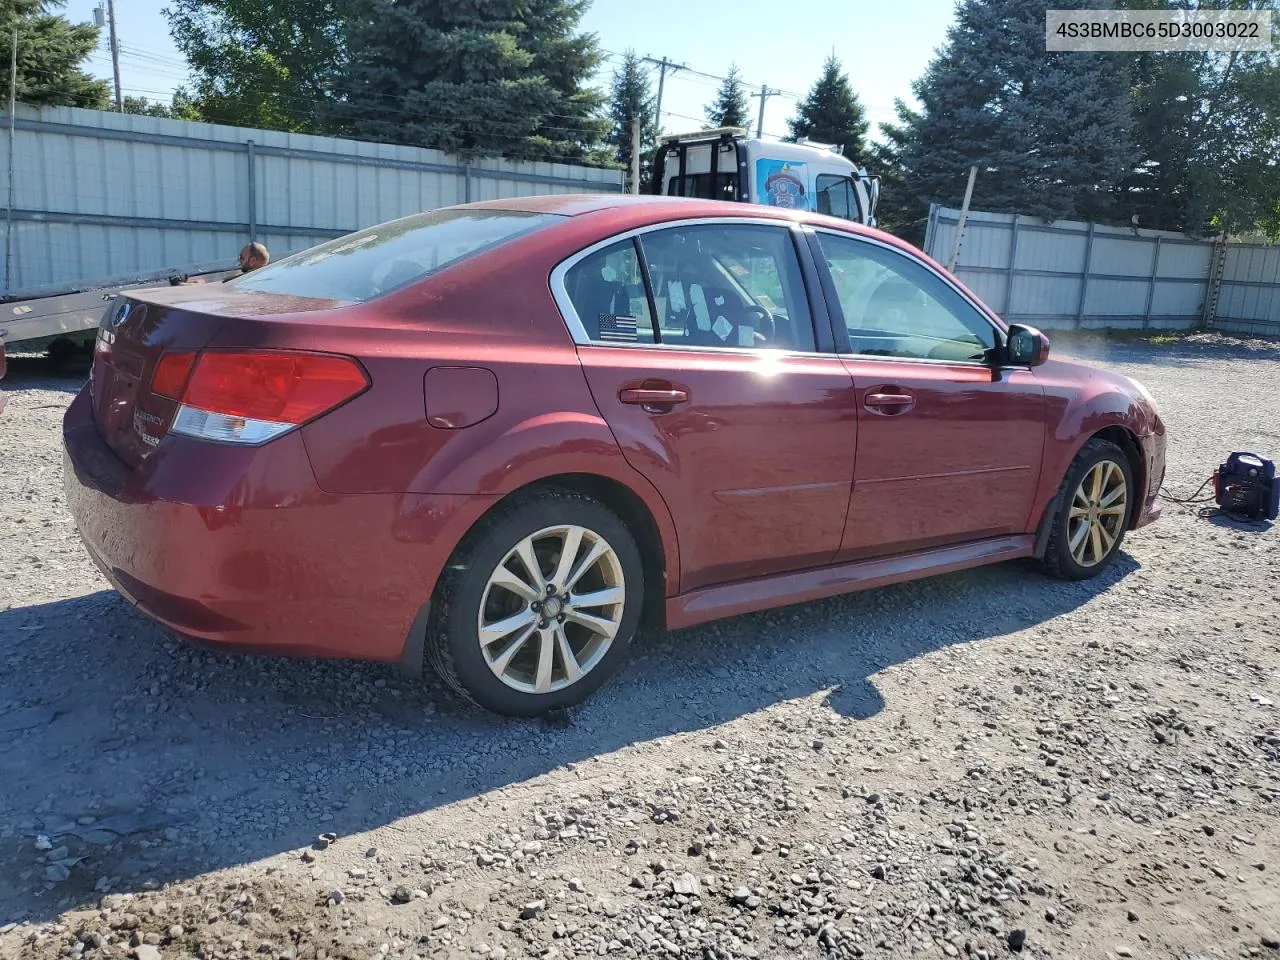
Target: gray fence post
(466,183)
(1084,275)
(1013,263)
(253,191)
(1151,286)
(931,225)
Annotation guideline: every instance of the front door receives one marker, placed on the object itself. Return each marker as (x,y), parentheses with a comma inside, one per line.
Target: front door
(949,447)
(705,368)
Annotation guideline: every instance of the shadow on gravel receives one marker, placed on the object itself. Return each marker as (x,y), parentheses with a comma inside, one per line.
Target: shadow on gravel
(1235,524)
(38,372)
(144,759)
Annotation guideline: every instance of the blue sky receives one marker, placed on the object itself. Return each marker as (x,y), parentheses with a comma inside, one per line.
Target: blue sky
(883,45)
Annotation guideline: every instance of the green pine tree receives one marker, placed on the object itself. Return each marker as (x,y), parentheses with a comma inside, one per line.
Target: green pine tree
(832,113)
(50,51)
(631,96)
(478,77)
(729,109)
(897,212)
(1049,132)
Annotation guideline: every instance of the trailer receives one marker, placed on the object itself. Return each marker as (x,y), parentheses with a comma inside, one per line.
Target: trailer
(725,164)
(64,321)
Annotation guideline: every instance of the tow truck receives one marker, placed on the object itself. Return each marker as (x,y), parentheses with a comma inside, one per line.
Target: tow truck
(725,164)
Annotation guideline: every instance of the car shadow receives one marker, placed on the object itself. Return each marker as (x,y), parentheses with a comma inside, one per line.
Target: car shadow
(145,759)
(38,372)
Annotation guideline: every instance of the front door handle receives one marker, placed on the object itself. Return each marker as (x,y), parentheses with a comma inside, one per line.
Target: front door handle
(655,397)
(889,403)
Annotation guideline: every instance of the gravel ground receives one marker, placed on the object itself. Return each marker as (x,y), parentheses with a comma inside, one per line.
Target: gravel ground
(979,764)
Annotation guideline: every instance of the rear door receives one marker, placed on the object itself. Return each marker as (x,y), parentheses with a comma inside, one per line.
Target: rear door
(949,446)
(706,367)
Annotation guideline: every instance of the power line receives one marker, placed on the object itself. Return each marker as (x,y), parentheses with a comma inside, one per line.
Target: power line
(663,66)
(699,120)
(702,73)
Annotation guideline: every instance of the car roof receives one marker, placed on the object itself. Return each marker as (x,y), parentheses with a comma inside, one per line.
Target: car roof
(577,204)
(636,210)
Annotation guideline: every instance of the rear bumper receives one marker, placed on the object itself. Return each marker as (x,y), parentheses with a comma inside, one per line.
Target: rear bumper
(238,546)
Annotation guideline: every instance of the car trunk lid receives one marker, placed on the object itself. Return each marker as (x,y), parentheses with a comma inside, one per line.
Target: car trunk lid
(139,328)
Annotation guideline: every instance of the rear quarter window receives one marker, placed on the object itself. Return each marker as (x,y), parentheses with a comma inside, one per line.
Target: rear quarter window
(379,260)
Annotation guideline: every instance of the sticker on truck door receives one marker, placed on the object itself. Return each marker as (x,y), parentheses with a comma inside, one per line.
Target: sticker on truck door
(781,184)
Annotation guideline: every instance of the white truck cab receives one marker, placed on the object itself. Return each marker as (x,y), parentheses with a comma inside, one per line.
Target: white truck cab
(724,164)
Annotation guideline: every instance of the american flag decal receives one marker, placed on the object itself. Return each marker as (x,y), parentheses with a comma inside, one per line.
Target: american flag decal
(617,329)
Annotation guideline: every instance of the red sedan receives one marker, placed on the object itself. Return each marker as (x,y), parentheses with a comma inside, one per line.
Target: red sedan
(496,437)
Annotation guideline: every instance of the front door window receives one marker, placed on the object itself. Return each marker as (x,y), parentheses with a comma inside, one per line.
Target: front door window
(894,306)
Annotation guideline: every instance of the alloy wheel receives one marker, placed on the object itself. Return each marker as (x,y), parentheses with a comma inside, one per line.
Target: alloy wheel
(1098,510)
(551,609)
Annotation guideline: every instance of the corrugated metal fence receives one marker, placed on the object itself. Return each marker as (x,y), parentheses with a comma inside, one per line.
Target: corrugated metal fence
(1069,274)
(102,195)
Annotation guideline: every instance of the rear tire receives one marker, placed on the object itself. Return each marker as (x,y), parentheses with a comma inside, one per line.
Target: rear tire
(1097,500)
(524,642)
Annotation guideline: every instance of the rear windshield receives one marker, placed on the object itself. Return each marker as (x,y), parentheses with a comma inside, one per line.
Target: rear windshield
(378,260)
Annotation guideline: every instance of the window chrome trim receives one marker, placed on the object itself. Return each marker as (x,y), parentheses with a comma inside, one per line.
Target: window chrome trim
(560,292)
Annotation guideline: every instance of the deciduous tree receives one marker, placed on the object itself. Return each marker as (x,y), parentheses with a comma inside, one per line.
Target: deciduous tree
(264,63)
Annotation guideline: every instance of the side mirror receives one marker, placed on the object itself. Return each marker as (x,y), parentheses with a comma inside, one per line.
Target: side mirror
(1028,346)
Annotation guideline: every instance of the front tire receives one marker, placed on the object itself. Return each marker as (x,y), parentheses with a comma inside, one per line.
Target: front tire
(1097,498)
(537,605)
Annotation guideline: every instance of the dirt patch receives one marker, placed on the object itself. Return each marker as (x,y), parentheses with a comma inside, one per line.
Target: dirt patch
(976,765)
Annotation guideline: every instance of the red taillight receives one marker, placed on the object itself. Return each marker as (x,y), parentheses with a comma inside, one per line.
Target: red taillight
(276,385)
(171,374)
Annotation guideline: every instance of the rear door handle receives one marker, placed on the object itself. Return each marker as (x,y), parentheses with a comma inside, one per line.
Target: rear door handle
(889,404)
(654,397)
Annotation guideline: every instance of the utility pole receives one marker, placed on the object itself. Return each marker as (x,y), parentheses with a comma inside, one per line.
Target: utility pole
(764,94)
(964,215)
(13,108)
(663,66)
(108,19)
(115,53)
(635,154)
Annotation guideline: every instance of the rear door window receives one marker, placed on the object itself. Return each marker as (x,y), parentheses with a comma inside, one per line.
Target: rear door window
(381,259)
(608,295)
(728,285)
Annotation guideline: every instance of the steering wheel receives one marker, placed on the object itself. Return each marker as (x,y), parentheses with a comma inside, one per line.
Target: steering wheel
(760,317)
(948,350)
